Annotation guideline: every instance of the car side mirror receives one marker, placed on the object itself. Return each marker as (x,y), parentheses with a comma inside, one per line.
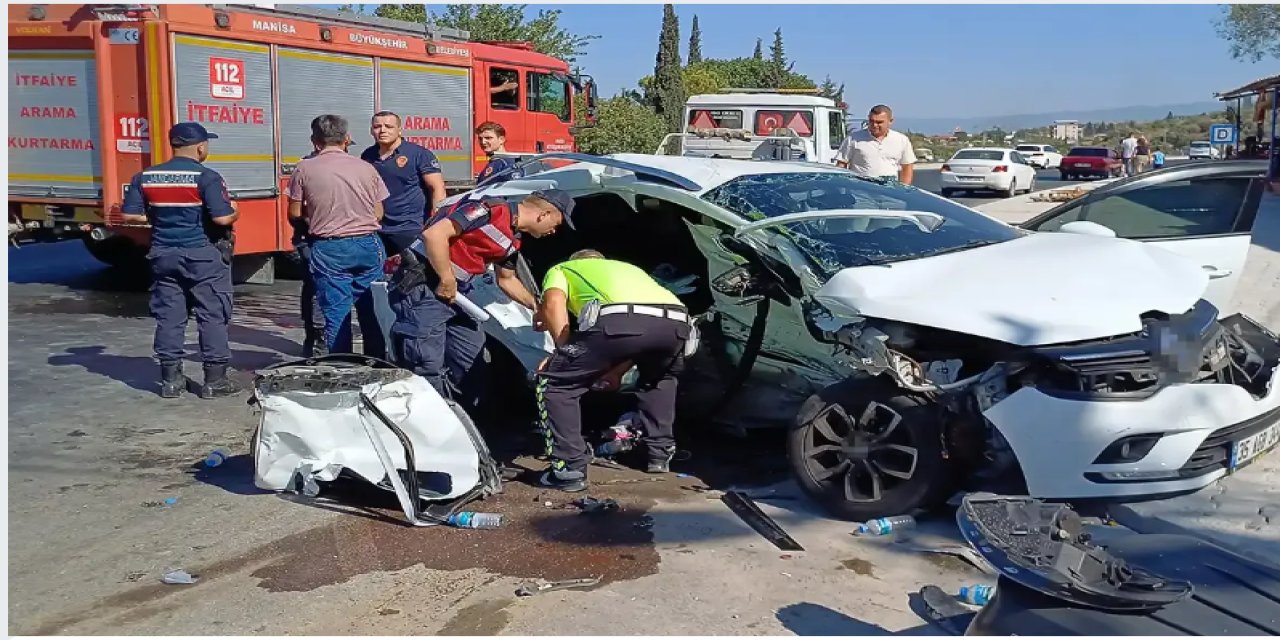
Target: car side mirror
(1087,228)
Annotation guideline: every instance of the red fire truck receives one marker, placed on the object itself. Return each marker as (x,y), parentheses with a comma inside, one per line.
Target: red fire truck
(93,89)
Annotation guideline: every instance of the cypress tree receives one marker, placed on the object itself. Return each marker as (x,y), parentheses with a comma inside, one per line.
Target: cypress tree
(668,85)
(695,43)
(758,54)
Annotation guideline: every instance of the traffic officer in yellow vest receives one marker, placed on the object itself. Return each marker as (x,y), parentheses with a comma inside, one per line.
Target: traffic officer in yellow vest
(623,315)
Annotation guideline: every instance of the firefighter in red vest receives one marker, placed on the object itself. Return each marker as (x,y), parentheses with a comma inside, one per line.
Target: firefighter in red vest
(432,336)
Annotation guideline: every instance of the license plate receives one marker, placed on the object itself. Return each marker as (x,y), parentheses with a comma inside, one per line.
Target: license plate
(1254,446)
(970,178)
(1083,165)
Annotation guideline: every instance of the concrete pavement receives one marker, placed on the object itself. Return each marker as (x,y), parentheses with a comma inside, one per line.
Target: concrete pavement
(94,454)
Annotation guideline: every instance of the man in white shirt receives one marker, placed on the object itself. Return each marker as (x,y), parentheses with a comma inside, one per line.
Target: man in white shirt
(1128,150)
(877,151)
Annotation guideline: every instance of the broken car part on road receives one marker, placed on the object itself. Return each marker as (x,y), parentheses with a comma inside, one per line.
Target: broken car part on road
(543,586)
(367,418)
(1060,576)
(750,512)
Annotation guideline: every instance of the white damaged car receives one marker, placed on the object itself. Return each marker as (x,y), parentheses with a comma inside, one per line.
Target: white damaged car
(914,346)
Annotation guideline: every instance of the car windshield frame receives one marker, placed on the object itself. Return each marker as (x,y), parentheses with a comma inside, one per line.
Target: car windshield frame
(844,242)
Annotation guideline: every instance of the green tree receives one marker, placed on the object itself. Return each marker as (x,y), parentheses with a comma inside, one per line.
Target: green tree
(667,96)
(623,126)
(695,42)
(1252,30)
(828,89)
(758,54)
(495,23)
(775,74)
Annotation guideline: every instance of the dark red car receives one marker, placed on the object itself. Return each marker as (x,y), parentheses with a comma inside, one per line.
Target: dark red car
(1091,161)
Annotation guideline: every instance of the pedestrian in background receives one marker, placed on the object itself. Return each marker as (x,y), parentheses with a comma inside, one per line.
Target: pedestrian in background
(493,141)
(1128,149)
(190,213)
(1142,155)
(414,182)
(878,151)
(340,198)
(1157,159)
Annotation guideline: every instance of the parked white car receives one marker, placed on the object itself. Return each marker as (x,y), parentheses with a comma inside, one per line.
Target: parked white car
(1203,150)
(988,169)
(915,347)
(1041,156)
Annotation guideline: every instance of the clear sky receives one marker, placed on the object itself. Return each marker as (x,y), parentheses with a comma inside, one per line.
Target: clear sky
(946,60)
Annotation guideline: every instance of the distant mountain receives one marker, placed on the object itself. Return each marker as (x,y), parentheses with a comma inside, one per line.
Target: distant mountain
(1029,120)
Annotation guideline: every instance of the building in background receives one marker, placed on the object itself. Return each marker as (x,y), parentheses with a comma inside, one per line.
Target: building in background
(1066,130)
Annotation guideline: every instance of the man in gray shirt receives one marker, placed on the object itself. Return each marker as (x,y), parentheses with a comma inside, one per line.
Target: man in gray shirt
(340,197)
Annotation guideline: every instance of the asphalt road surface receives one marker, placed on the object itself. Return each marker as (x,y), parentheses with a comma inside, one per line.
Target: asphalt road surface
(931,180)
(107,490)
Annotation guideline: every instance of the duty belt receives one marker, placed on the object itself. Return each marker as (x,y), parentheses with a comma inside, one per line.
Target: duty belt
(678,315)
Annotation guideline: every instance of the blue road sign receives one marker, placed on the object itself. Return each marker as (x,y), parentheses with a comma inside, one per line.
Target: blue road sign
(1222,134)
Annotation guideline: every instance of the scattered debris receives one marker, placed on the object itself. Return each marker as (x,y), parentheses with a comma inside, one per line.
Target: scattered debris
(77,434)
(134,576)
(548,504)
(963,552)
(592,506)
(785,556)
(388,612)
(630,480)
(684,475)
(171,501)
(645,523)
(542,586)
(945,611)
(178,576)
(750,513)
(1059,195)
(215,458)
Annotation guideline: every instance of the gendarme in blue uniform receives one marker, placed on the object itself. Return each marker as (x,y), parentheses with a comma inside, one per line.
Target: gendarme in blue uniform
(190,258)
(405,211)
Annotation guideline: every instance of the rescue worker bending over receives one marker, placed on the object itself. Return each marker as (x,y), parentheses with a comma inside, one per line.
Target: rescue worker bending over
(191,214)
(623,315)
(433,337)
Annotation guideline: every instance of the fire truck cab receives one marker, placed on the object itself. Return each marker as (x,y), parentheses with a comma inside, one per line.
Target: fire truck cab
(93,90)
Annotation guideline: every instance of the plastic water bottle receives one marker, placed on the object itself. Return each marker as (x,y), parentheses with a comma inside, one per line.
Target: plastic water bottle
(978,594)
(216,458)
(473,520)
(885,526)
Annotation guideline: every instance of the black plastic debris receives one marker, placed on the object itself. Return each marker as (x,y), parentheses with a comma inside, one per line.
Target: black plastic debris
(592,506)
(750,513)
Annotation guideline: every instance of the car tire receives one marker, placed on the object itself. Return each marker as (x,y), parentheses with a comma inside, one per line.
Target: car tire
(1012,190)
(947,193)
(1065,177)
(1031,187)
(860,477)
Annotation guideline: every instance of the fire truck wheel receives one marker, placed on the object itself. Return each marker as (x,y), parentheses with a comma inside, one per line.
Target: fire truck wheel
(117,252)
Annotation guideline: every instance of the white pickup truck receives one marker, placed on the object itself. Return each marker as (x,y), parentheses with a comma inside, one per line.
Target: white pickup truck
(759,124)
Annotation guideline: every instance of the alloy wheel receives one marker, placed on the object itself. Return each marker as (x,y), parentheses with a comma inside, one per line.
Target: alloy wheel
(868,456)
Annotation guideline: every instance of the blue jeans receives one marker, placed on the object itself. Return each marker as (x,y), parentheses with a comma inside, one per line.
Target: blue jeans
(343,270)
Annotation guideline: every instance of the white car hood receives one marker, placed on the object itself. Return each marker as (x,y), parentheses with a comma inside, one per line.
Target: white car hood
(1045,288)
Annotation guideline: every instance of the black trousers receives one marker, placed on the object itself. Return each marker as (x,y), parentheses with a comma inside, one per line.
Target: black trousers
(654,344)
(312,318)
(394,243)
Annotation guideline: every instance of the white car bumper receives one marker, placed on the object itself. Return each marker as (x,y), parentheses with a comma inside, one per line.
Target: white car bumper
(997,181)
(1199,428)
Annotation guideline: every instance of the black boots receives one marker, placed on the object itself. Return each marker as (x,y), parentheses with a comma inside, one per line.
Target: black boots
(216,382)
(660,459)
(172,382)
